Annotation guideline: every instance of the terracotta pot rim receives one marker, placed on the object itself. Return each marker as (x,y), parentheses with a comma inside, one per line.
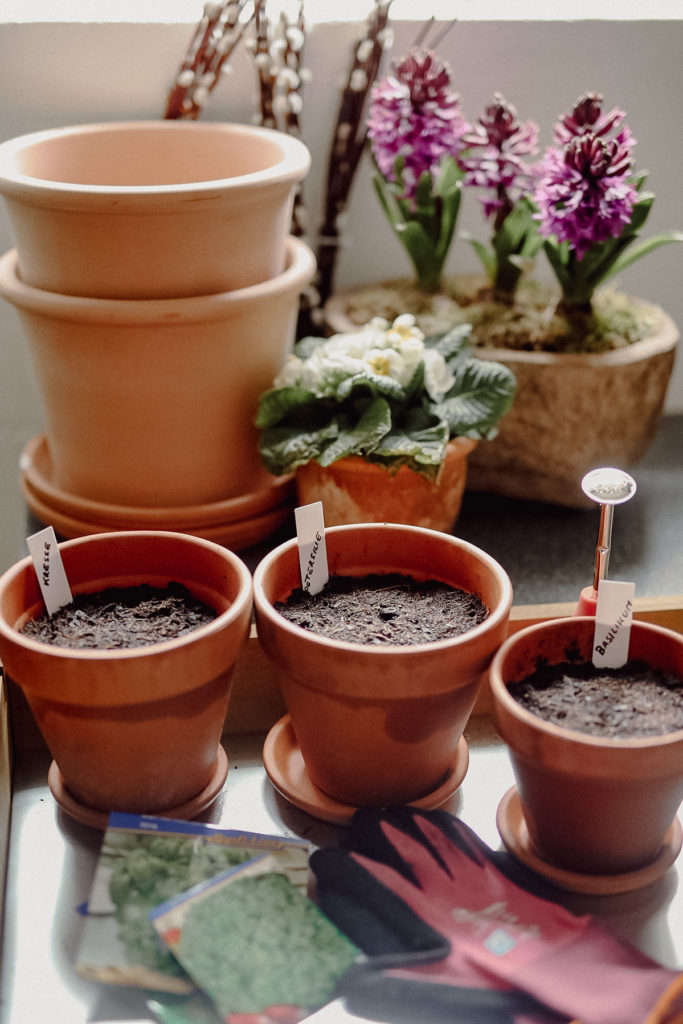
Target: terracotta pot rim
(224,619)
(293,165)
(573,737)
(458,445)
(496,615)
(299,270)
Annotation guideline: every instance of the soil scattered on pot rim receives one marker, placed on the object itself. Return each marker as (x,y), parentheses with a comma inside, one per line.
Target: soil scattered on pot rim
(384,609)
(634,700)
(122,617)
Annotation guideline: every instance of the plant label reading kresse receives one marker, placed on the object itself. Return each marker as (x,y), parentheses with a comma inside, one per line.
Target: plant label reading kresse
(310,532)
(613,618)
(50,571)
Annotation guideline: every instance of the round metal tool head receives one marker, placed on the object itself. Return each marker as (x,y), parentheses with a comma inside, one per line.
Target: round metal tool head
(608,486)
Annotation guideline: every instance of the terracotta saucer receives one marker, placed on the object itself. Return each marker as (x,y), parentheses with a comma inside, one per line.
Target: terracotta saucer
(286,770)
(36,470)
(236,535)
(513,831)
(99,819)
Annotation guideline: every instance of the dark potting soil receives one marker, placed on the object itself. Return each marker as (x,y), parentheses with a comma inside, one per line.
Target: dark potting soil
(633,700)
(385,609)
(122,617)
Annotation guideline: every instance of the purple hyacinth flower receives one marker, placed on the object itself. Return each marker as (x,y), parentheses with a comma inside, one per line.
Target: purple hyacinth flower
(498,143)
(583,191)
(586,116)
(415,113)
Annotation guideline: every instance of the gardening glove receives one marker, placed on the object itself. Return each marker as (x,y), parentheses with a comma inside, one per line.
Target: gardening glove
(501,936)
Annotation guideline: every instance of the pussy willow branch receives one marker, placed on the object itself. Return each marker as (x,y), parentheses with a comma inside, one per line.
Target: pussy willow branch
(278,56)
(216,36)
(349,140)
(278,53)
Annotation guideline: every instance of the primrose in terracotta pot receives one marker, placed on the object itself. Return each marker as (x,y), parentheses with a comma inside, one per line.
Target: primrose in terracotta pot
(134,728)
(377,423)
(382,723)
(591,802)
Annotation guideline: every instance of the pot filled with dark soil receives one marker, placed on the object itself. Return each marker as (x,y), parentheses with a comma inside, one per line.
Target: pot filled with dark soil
(129,684)
(380,671)
(597,753)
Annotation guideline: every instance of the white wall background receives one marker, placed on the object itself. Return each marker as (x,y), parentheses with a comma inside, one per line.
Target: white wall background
(54,74)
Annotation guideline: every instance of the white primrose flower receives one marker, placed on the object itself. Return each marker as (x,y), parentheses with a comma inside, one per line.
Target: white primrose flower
(439,379)
(394,351)
(290,374)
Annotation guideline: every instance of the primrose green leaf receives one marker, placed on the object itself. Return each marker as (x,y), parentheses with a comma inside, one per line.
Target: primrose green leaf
(360,438)
(374,383)
(483,392)
(283,448)
(420,450)
(275,405)
(452,344)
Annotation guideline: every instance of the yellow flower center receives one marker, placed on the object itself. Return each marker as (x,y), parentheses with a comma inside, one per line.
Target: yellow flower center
(380,365)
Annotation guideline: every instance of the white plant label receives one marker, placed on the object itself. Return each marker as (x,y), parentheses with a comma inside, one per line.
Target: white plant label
(310,533)
(613,618)
(50,571)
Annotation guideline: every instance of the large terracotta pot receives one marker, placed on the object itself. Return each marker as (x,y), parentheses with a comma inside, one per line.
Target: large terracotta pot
(151,209)
(572,411)
(380,724)
(134,729)
(591,805)
(151,402)
(353,490)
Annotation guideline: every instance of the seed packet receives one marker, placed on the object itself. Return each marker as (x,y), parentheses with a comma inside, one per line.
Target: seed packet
(145,861)
(254,942)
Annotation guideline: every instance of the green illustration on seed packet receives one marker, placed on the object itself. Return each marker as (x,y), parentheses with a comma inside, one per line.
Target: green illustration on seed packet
(252,940)
(143,862)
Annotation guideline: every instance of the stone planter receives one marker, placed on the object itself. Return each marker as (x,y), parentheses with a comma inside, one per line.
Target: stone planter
(573,412)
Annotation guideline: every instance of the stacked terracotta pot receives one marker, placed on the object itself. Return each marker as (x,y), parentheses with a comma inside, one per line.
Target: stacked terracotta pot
(158,288)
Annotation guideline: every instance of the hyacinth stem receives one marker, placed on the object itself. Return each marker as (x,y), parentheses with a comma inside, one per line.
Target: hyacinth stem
(574,312)
(506,281)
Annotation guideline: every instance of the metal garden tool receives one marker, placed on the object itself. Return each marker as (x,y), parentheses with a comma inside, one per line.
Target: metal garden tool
(607,487)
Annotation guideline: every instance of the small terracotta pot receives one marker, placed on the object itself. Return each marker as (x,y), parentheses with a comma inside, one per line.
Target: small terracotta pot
(151,209)
(381,724)
(591,805)
(135,729)
(151,403)
(353,490)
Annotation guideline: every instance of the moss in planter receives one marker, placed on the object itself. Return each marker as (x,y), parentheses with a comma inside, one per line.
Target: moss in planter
(530,324)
